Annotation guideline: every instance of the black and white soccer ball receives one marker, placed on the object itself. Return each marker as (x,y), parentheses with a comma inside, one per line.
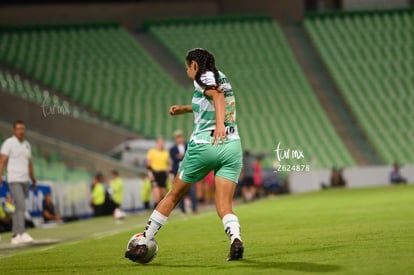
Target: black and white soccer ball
(152,245)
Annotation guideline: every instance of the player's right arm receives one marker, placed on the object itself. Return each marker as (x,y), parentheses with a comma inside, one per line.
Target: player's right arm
(180,109)
(3,161)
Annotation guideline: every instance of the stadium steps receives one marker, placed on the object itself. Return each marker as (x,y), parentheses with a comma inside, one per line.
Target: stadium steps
(331,99)
(164,58)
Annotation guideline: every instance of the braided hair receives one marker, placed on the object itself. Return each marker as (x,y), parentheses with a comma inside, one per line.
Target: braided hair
(206,62)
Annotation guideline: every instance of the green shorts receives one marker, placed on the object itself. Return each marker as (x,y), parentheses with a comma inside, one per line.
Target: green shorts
(226,161)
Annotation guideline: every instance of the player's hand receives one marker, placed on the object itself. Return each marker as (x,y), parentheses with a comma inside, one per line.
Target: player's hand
(219,135)
(176,110)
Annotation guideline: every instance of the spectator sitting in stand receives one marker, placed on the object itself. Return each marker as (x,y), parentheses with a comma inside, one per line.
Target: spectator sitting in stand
(146,191)
(10,209)
(336,179)
(49,211)
(5,220)
(396,176)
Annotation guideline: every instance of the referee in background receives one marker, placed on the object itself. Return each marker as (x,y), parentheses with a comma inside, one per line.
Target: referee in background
(16,156)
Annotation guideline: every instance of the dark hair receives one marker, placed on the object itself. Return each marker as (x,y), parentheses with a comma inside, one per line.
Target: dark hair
(205,61)
(99,176)
(115,172)
(18,122)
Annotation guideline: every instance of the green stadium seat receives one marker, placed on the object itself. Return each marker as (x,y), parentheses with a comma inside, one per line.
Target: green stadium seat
(78,175)
(107,71)
(374,75)
(276,103)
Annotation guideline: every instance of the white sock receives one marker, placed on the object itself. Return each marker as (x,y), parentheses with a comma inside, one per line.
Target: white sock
(155,222)
(232,227)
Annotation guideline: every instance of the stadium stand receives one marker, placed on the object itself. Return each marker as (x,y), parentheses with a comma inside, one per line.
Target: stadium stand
(370,56)
(14,84)
(275,101)
(101,67)
(105,69)
(58,161)
(56,170)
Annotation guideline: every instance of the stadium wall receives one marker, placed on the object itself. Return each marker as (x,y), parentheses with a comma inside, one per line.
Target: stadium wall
(281,10)
(131,15)
(369,176)
(128,14)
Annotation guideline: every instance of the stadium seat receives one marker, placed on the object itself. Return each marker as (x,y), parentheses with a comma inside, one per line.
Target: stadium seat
(370,56)
(275,101)
(103,68)
(106,70)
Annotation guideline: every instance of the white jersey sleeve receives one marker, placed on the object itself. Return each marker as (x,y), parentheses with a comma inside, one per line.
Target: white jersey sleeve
(6,147)
(207,79)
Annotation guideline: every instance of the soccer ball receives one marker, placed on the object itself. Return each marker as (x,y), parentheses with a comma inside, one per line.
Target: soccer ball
(152,245)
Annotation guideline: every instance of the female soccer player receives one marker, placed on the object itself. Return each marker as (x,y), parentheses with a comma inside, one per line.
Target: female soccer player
(214,145)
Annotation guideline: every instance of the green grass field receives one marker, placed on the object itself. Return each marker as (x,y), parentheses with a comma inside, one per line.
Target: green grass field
(354,231)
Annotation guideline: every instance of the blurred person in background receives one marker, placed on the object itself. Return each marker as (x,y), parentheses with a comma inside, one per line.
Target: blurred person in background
(247,174)
(202,191)
(146,191)
(10,210)
(257,177)
(211,187)
(5,219)
(177,152)
(336,179)
(16,156)
(158,165)
(98,195)
(117,190)
(49,211)
(396,176)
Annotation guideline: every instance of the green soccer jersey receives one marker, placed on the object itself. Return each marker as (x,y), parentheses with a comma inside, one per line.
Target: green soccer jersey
(205,114)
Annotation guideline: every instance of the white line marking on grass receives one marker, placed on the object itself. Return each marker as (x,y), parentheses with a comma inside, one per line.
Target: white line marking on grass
(46,248)
(102,235)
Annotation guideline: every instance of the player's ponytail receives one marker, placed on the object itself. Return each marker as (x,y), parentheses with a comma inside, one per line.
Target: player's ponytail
(211,65)
(205,61)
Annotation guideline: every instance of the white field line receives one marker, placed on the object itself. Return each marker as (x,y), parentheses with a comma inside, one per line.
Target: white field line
(99,235)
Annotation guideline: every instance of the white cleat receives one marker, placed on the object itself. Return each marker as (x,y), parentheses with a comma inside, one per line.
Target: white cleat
(16,239)
(26,238)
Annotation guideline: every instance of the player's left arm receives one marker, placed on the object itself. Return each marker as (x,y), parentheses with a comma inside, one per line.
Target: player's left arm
(219,106)
(31,174)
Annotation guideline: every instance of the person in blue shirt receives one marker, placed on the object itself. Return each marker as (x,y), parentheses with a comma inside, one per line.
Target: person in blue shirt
(177,153)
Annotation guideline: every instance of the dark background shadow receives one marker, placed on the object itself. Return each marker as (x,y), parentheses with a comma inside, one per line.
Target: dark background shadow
(294,266)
